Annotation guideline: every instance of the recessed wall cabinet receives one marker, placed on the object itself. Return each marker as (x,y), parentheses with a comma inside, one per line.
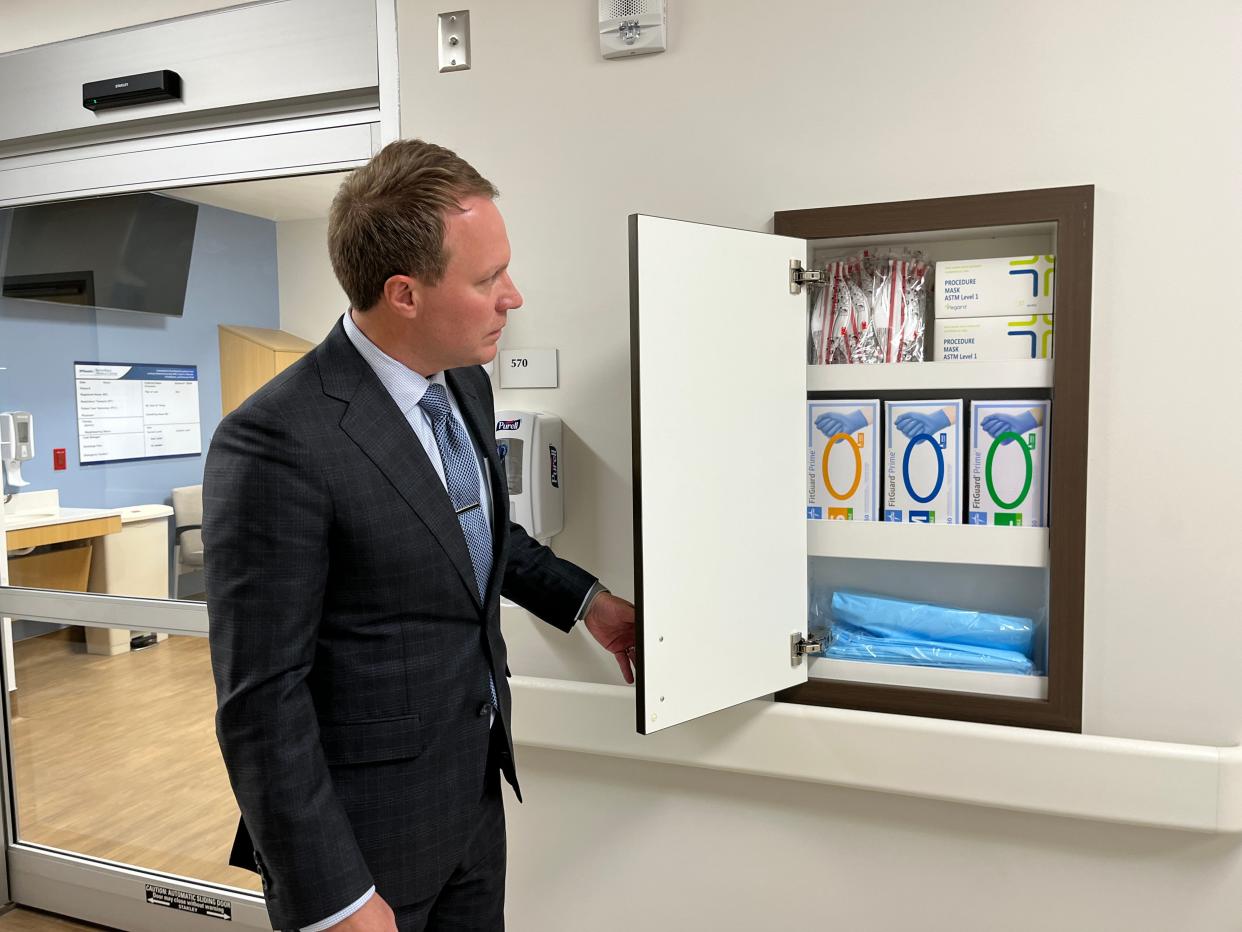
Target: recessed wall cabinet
(724,553)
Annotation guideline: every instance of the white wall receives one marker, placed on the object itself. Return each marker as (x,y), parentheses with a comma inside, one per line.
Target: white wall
(310,298)
(765,106)
(604,845)
(762,106)
(853,104)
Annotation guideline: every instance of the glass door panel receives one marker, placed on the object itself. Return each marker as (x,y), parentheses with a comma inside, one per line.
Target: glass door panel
(129,326)
(117,759)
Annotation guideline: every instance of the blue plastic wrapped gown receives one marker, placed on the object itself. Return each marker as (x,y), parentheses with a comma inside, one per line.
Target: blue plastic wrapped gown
(847,644)
(886,618)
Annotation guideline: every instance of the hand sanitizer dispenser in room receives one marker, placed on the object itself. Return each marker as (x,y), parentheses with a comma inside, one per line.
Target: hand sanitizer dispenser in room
(529,445)
(16,445)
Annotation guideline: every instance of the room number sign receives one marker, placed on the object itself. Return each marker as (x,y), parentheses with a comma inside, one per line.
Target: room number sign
(527,368)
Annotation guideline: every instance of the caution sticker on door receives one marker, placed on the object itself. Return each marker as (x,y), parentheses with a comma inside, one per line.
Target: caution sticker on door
(190,902)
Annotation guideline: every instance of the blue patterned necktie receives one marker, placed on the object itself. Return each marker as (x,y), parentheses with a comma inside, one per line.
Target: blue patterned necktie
(461,477)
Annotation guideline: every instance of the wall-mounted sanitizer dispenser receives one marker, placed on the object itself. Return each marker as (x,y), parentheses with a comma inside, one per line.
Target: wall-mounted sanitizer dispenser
(529,444)
(16,445)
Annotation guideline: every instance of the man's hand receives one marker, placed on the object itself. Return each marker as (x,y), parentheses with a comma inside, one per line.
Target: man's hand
(375,916)
(611,621)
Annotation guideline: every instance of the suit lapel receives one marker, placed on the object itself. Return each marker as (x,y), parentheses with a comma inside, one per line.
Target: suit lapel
(480,421)
(375,423)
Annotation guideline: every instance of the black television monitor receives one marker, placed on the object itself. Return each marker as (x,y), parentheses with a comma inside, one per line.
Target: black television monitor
(130,252)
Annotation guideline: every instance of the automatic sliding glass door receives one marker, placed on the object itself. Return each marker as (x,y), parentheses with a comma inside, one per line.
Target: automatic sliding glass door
(121,327)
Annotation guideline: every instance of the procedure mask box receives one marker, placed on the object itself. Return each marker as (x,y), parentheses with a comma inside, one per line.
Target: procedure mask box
(843,477)
(923,461)
(1015,287)
(965,338)
(1008,463)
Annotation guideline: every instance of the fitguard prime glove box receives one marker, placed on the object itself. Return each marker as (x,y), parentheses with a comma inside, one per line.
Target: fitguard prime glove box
(1008,463)
(843,460)
(923,461)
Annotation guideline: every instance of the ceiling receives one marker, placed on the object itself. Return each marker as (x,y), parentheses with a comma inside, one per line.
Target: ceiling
(304,197)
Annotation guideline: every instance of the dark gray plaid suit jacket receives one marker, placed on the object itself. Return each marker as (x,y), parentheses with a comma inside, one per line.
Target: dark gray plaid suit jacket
(349,647)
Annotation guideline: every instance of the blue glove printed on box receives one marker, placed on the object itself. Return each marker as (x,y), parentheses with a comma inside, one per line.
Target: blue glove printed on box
(832,423)
(847,644)
(881,617)
(914,423)
(997,424)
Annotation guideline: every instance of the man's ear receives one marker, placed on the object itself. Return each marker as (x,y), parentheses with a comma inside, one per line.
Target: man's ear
(404,295)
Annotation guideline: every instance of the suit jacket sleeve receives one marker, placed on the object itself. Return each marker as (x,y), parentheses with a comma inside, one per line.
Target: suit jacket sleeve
(267,515)
(541,582)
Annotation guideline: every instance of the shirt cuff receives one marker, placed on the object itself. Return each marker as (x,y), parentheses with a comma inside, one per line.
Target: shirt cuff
(596,588)
(342,915)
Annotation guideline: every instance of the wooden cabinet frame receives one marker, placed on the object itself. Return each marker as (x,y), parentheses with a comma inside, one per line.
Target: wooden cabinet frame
(1071,210)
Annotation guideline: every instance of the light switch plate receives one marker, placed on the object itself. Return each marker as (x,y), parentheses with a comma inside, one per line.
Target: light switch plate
(455,41)
(527,368)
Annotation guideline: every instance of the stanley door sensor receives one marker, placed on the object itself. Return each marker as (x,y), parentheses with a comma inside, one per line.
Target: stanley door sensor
(134,89)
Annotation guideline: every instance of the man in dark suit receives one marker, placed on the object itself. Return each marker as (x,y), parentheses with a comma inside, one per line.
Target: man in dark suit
(357,542)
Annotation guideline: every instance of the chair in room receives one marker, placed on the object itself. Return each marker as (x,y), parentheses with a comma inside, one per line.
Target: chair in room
(187,503)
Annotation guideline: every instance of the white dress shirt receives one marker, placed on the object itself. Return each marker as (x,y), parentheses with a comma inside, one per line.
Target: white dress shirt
(407,388)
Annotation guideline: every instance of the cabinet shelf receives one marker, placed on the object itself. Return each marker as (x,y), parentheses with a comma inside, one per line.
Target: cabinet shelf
(929,543)
(895,674)
(931,376)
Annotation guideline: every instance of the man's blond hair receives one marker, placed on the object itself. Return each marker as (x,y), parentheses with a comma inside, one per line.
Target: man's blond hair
(388,217)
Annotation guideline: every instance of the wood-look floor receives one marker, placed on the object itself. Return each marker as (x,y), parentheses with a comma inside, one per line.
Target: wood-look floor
(116,757)
(30,920)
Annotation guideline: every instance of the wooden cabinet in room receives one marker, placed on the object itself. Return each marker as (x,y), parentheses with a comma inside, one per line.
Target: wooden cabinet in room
(729,564)
(250,357)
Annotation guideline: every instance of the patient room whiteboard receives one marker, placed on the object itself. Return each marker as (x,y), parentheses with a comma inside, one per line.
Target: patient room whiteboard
(136,411)
(718,350)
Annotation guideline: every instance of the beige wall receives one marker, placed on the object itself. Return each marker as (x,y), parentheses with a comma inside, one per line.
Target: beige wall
(603,845)
(762,106)
(856,103)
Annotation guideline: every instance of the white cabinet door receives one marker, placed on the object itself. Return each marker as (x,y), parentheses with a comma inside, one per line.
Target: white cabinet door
(718,351)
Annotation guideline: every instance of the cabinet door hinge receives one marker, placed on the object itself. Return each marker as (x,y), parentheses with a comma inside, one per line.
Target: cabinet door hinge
(798,276)
(800,646)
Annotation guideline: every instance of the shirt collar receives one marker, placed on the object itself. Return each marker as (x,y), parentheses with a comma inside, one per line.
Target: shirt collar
(406,386)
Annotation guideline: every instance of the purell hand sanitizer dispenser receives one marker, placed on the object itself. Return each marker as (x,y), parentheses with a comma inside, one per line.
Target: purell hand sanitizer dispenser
(16,445)
(530,447)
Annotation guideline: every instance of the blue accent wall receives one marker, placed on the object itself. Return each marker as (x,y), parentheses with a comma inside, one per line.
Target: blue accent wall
(232,280)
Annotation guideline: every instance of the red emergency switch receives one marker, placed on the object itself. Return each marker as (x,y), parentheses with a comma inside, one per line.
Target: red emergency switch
(58,458)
